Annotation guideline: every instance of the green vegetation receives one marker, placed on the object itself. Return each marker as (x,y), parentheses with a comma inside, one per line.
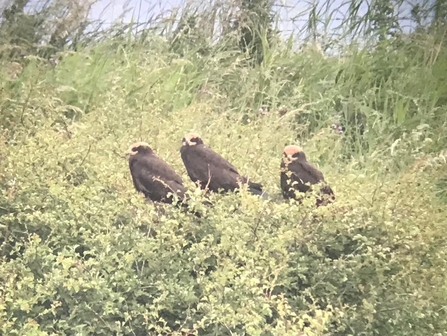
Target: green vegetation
(81,253)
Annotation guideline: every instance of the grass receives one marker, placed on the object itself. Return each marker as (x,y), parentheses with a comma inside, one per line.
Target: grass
(372,263)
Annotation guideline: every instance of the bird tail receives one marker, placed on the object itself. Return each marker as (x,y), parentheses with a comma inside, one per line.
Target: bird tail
(256,189)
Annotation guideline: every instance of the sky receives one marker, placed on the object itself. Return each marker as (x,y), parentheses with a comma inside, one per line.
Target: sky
(107,11)
(141,10)
(110,10)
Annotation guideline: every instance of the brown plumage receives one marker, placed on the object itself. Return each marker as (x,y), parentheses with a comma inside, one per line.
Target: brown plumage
(297,173)
(152,176)
(210,170)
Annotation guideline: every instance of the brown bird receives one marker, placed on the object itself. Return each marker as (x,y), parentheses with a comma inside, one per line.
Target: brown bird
(297,173)
(152,176)
(210,170)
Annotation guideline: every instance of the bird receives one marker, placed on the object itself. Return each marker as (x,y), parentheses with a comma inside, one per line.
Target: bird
(297,173)
(210,170)
(152,176)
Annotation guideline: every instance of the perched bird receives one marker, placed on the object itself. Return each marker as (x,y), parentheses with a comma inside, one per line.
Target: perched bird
(152,176)
(297,173)
(210,170)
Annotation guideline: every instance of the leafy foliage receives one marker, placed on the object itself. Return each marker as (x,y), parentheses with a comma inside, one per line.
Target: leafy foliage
(82,253)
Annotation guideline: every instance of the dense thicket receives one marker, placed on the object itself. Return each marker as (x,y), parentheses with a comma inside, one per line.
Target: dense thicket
(82,253)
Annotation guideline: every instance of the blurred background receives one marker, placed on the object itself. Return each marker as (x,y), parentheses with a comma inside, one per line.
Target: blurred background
(55,24)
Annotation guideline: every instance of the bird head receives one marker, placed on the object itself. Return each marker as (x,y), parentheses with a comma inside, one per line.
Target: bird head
(139,147)
(192,139)
(293,153)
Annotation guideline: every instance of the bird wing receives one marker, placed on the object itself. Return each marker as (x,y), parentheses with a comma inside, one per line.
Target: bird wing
(152,172)
(225,174)
(307,173)
(161,168)
(201,162)
(214,159)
